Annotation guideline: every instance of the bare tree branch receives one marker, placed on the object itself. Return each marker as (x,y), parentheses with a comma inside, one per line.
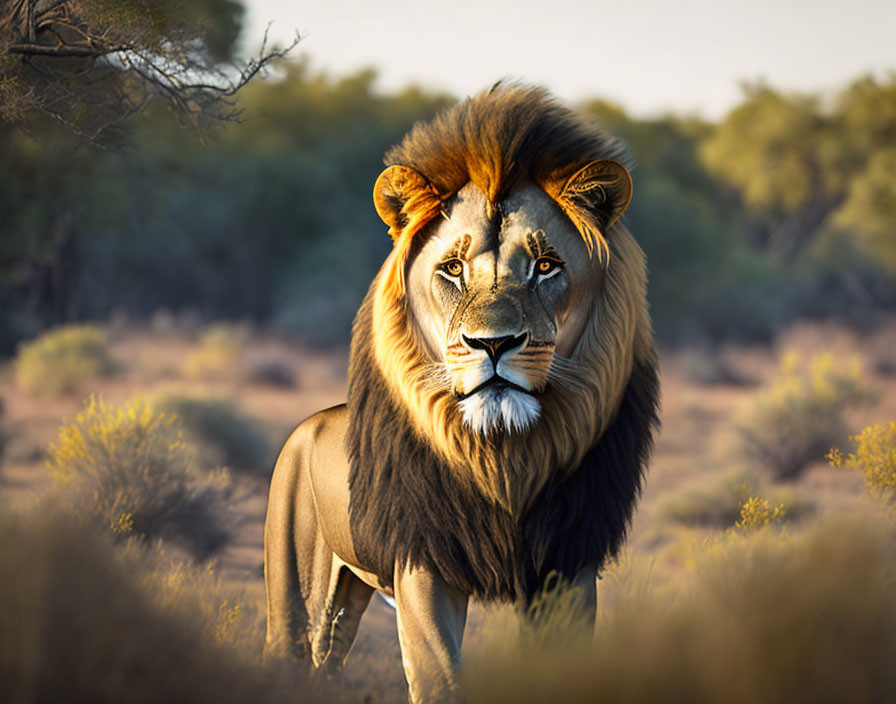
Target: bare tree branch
(91,66)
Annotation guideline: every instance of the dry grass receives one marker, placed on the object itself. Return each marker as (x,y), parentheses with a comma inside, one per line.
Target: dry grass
(63,360)
(807,616)
(86,621)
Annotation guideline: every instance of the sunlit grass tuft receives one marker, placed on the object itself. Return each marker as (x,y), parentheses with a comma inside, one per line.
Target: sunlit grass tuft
(61,360)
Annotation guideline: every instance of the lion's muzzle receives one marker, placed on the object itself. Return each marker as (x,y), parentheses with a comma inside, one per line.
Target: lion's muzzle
(495,347)
(496,377)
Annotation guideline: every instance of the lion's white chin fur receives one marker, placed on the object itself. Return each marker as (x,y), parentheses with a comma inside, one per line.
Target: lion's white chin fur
(500,408)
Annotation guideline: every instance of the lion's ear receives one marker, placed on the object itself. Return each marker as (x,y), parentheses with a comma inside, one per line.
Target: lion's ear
(603,187)
(393,189)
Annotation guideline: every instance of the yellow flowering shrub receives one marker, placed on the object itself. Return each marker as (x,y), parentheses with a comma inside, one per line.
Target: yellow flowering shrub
(128,467)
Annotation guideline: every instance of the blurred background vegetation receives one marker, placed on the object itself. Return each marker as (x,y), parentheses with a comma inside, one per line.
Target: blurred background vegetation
(783,209)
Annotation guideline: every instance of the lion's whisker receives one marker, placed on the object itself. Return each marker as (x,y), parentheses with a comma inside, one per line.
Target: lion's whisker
(436,377)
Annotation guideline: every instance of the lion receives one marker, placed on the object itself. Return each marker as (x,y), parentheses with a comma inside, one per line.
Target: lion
(502,400)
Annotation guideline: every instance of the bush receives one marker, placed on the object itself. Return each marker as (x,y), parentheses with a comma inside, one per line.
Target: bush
(60,360)
(875,456)
(800,415)
(221,434)
(271,372)
(808,616)
(85,621)
(709,501)
(219,354)
(129,470)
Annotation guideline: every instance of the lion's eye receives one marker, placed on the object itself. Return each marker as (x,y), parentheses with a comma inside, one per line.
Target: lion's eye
(452,267)
(545,265)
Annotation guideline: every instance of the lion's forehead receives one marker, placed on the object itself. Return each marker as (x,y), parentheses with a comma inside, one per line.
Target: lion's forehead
(504,229)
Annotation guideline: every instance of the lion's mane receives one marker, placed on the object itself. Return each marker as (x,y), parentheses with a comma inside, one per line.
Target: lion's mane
(493,515)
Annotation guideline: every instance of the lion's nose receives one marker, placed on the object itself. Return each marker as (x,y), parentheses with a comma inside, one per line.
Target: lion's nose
(496,346)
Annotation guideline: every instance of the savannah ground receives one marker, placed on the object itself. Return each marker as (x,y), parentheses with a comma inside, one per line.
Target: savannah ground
(693,490)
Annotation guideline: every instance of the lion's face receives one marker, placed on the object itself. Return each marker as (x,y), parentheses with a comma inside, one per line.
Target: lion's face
(500,297)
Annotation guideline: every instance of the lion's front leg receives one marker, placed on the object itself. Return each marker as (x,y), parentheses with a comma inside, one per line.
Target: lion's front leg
(431,620)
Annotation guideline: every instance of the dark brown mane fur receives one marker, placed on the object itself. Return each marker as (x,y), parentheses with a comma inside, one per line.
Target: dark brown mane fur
(501,136)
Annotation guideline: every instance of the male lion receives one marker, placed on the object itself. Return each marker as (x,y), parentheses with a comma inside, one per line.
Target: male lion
(502,393)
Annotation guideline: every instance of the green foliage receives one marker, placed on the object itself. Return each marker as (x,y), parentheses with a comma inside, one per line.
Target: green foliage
(258,225)
(867,109)
(704,279)
(803,167)
(84,620)
(809,616)
(875,457)
(766,147)
(799,415)
(62,359)
(221,434)
(127,469)
(870,207)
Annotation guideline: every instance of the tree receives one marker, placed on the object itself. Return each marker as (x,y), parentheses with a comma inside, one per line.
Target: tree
(89,65)
(867,110)
(870,208)
(782,153)
(806,168)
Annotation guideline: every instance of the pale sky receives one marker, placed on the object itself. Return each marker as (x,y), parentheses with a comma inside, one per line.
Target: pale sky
(686,56)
